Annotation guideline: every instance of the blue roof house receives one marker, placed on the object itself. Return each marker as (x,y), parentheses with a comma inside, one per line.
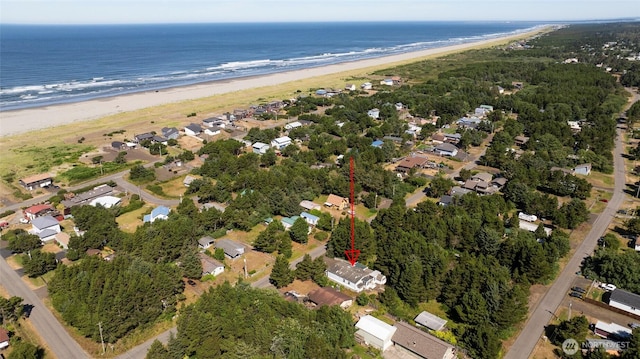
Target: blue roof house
(377,143)
(310,218)
(160,212)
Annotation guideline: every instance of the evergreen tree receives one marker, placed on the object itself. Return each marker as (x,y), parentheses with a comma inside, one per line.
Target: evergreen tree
(410,286)
(11,309)
(285,246)
(25,350)
(299,231)
(304,269)
(191,264)
(281,274)
(23,242)
(39,263)
(157,351)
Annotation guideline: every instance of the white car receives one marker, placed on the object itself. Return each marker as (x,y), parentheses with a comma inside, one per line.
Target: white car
(608,287)
(24,220)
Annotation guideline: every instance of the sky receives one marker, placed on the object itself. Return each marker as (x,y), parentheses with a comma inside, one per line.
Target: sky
(217,11)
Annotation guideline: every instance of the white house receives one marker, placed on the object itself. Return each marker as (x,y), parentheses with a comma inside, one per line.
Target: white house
(292,125)
(309,205)
(611,330)
(4,338)
(366,86)
(45,227)
(193,130)
(412,342)
(205,242)
(310,218)
(160,212)
(350,87)
(281,142)
(446,149)
(582,169)
(374,113)
(627,301)
(212,131)
(374,332)
(527,217)
(210,265)
(106,201)
(260,148)
(356,278)
(387,82)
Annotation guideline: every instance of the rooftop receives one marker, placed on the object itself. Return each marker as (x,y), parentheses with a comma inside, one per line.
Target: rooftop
(375,327)
(419,342)
(624,297)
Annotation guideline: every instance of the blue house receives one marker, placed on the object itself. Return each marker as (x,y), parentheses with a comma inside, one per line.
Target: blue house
(160,212)
(310,218)
(377,143)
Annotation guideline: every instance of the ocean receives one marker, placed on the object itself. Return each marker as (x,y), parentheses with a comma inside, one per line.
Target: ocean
(45,65)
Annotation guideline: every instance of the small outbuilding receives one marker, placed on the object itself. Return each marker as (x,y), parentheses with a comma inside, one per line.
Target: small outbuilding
(374,332)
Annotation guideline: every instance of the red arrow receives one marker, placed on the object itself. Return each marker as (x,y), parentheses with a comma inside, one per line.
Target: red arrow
(353,253)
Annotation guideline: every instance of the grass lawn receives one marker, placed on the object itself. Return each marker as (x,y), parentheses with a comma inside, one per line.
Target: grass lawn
(129,221)
(599,179)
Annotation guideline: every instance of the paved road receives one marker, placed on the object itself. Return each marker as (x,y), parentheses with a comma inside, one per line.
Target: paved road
(60,343)
(543,312)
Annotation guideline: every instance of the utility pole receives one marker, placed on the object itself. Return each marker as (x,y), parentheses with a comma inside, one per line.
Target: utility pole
(101,338)
(569,310)
(245,268)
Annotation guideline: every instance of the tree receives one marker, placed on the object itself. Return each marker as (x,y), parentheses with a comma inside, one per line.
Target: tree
(158,351)
(281,275)
(576,328)
(465,174)
(139,173)
(11,309)
(304,269)
(299,231)
(25,350)
(191,265)
(439,186)
(269,158)
(219,254)
(39,263)
(362,299)
(24,242)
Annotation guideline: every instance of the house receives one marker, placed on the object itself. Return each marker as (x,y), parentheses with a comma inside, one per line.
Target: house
(213,121)
(142,137)
(37,181)
(160,212)
(321,92)
(377,143)
(281,142)
(521,140)
(482,177)
(287,222)
(452,137)
(396,80)
(636,244)
(217,206)
(415,343)
(4,338)
(430,321)
(374,113)
(205,242)
(374,332)
(612,330)
(330,296)
(386,82)
(119,146)
(210,265)
(292,125)
(574,126)
(309,206)
(437,138)
(366,86)
(187,180)
(170,133)
(212,131)
(45,227)
(260,148)
(627,301)
(338,202)
(350,87)
(445,200)
(446,149)
(310,218)
(159,139)
(39,210)
(458,191)
(499,182)
(232,249)
(193,130)
(468,122)
(356,278)
(409,163)
(583,169)
(527,217)
(105,201)
(72,200)
(532,227)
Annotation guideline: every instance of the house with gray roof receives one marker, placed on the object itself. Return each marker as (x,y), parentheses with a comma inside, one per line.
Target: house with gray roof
(416,343)
(45,227)
(193,130)
(210,265)
(205,242)
(232,249)
(170,133)
(430,321)
(446,149)
(356,278)
(627,301)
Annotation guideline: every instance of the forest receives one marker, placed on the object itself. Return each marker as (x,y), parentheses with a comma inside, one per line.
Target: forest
(469,256)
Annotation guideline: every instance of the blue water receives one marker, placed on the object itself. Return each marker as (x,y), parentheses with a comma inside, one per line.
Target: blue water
(44,65)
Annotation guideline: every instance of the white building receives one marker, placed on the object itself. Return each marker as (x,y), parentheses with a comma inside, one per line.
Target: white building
(374,332)
(611,330)
(260,148)
(292,125)
(45,227)
(281,142)
(105,201)
(356,278)
(627,301)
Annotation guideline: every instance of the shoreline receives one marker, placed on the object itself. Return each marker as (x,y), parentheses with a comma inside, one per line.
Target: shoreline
(16,122)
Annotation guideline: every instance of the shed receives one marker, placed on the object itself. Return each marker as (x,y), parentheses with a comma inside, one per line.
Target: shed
(430,321)
(310,206)
(374,332)
(330,296)
(232,249)
(205,242)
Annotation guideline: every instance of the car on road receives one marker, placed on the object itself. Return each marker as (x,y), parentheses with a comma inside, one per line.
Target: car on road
(579,290)
(576,295)
(191,282)
(608,287)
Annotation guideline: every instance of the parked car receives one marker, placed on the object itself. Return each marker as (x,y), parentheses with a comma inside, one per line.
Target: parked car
(608,287)
(634,325)
(576,295)
(4,224)
(23,220)
(579,290)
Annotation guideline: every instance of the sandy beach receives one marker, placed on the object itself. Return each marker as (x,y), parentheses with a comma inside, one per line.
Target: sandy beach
(22,121)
